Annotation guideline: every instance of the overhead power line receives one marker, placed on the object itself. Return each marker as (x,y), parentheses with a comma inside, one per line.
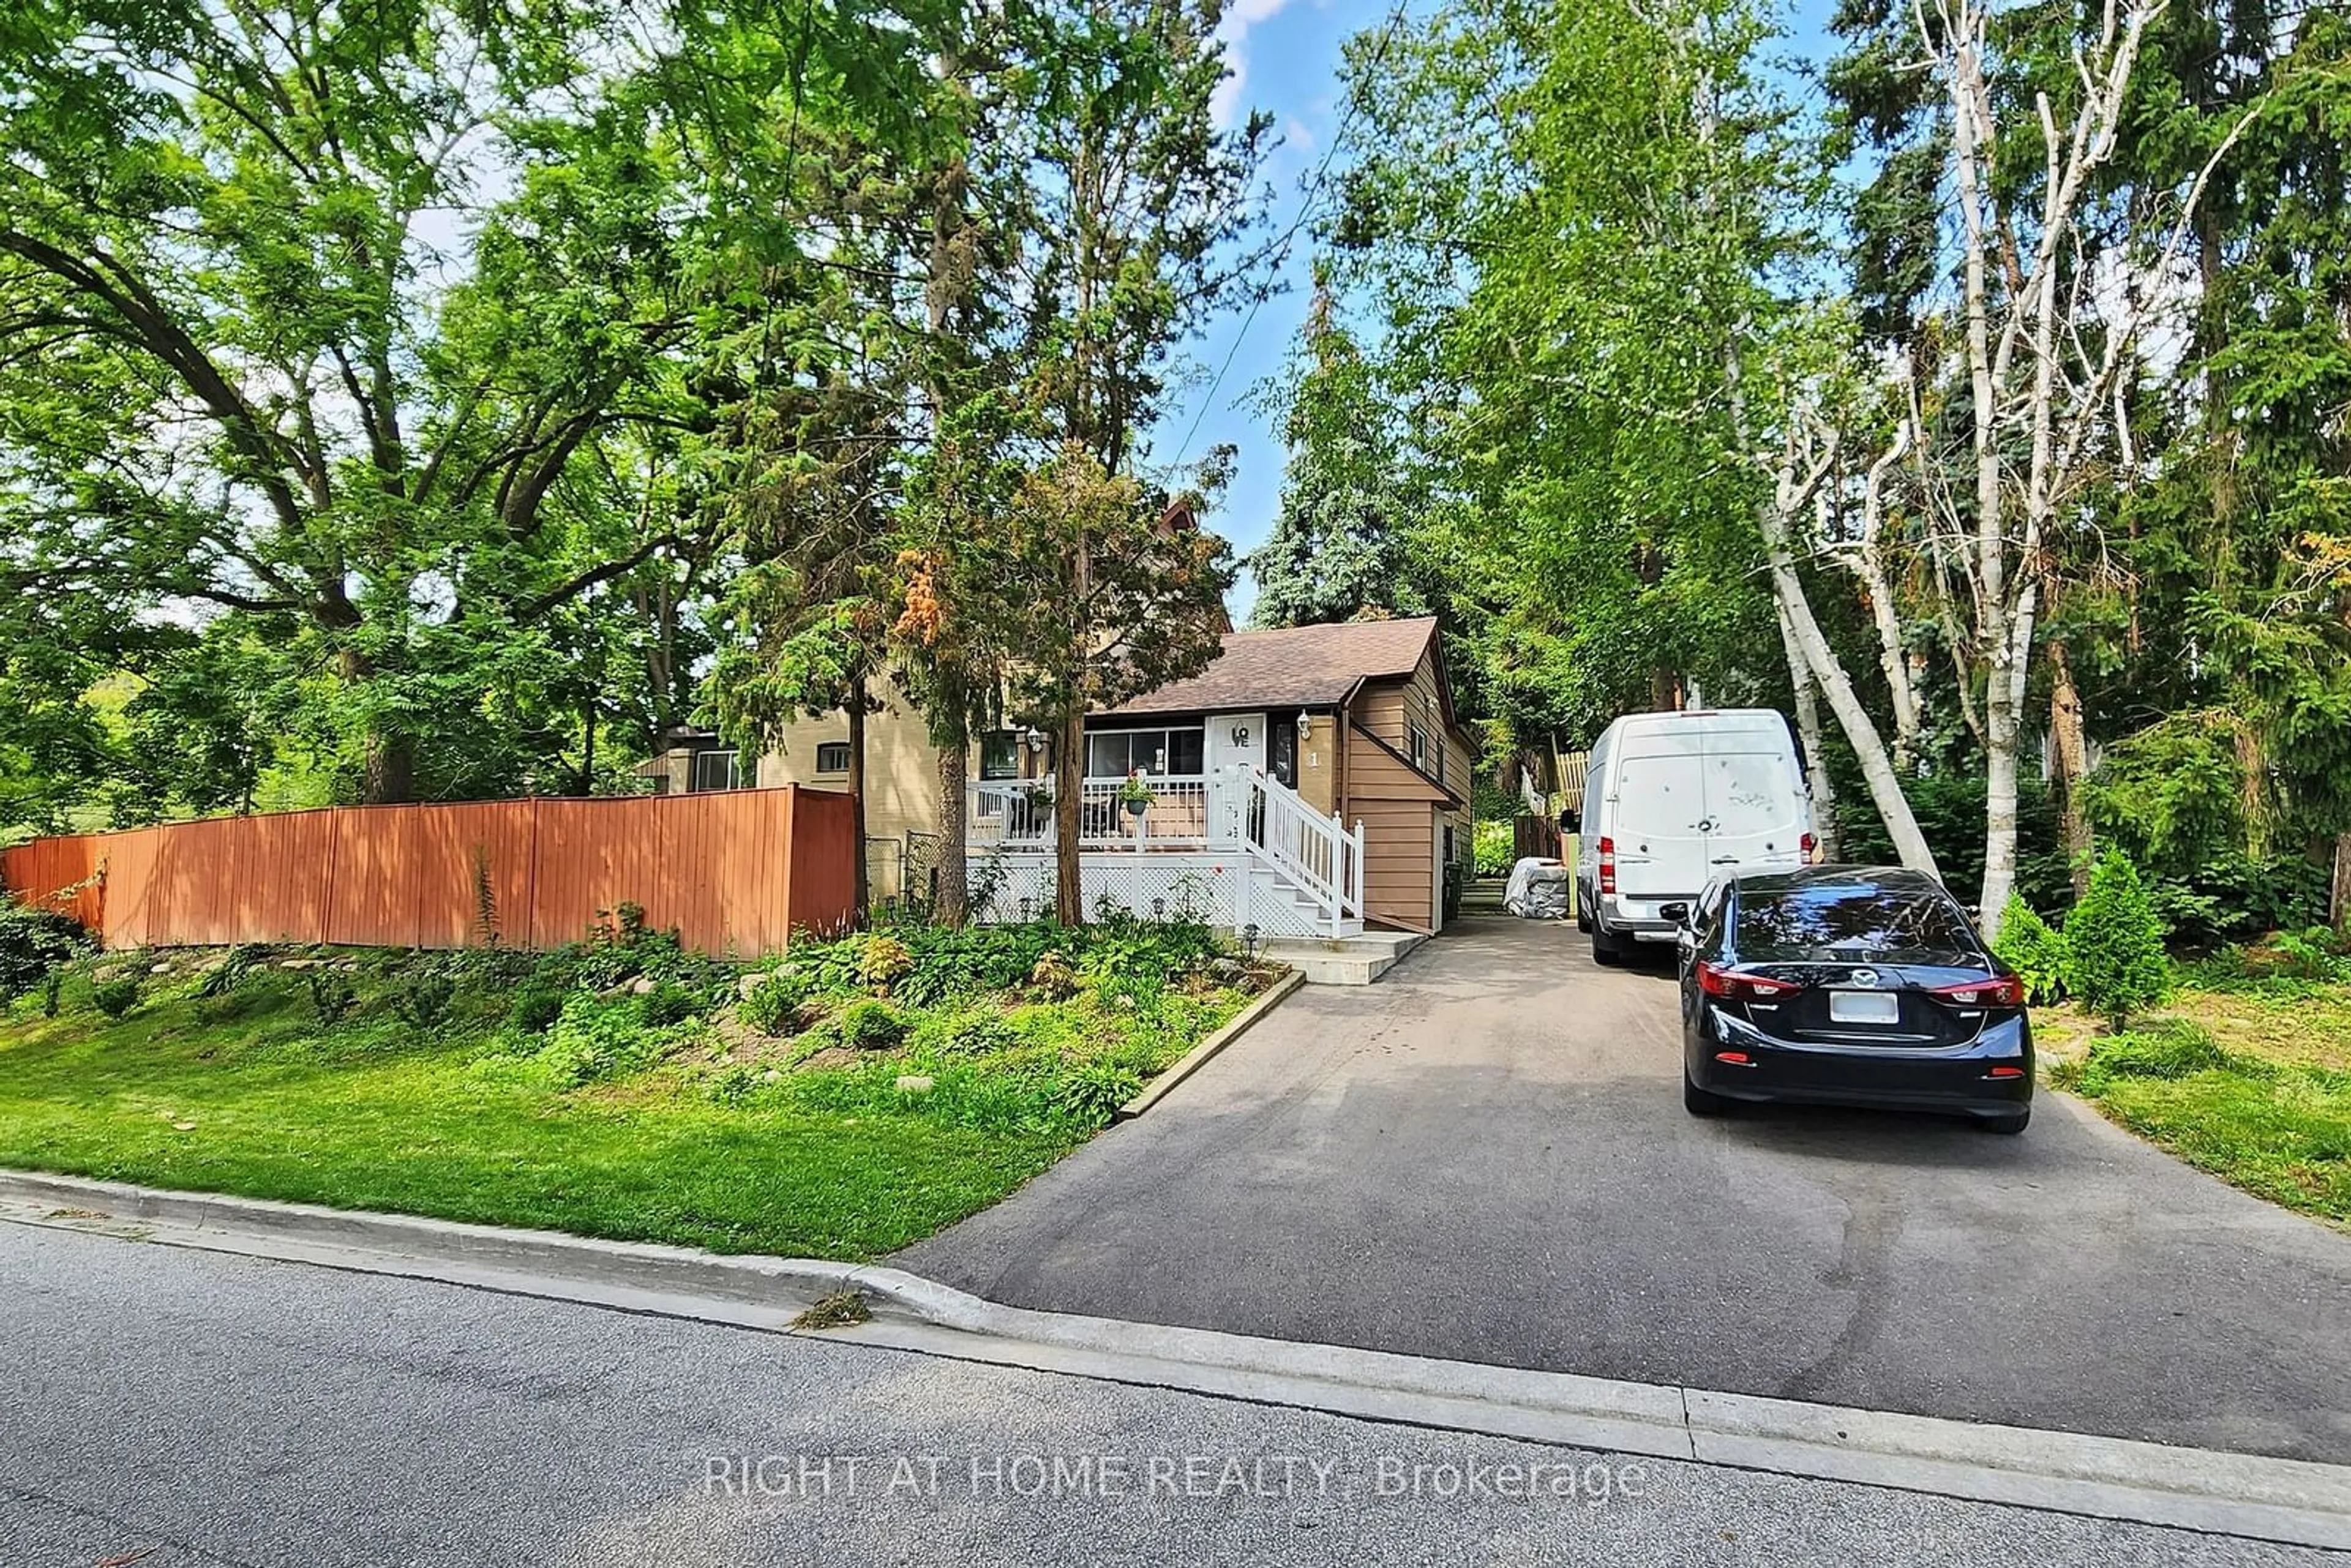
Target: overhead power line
(1278,252)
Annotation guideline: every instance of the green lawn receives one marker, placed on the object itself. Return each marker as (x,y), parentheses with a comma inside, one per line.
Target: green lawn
(616,1120)
(2246,1077)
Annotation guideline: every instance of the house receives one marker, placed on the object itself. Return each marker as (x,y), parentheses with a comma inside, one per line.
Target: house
(1310,780)
(690,760)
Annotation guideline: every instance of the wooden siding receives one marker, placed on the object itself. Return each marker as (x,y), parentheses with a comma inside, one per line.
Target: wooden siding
(734,871)
(1384,706)
(1398,809)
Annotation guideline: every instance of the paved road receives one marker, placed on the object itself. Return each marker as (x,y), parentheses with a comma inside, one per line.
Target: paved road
(204,1411)
(1485,1157)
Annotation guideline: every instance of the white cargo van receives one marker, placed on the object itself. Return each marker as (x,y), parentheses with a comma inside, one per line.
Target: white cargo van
(1672,800)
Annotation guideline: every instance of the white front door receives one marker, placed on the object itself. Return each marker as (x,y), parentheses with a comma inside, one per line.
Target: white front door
(1236,737)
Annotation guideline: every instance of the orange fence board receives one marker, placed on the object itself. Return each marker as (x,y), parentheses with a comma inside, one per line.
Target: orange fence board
(733,871)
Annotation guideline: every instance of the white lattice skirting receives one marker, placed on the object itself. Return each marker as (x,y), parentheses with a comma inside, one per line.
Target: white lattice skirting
(1208,885)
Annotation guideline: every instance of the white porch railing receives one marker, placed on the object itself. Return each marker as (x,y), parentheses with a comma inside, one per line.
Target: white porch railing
(1020,815)
(1294,870)
(1312,851)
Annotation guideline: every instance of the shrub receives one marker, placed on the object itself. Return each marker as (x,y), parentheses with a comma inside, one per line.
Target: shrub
(878,961)
(535,1007)
(1053,977)
(974,1031)
(872,1025)
(422,1000)
(620,946)
(948,963)
(1090,1094)
(228,973)
(2115,942)
(332,996)
(32,943)
(2313,953)
(774,1008)
(1496,848)
(2175,1049)
(668,1003)
(593,1040)
(115,997)
(2036,952)
(735,1083)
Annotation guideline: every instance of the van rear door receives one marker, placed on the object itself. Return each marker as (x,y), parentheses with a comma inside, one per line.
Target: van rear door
(1659,827)
(1755,811)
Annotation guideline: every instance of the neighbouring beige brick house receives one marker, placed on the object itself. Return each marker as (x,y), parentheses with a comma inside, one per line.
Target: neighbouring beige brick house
(1263,769)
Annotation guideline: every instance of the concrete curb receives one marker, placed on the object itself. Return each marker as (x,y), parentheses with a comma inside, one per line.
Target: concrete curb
(2220,1493)
(1199,1055)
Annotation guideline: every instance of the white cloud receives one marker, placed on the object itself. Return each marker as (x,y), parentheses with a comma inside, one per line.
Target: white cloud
(1234,28)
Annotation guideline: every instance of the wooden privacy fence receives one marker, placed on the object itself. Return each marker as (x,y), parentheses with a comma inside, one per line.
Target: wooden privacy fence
(735,871)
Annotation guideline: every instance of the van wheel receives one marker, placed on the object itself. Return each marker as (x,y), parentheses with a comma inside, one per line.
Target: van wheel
(1604,949)
(1700,1102)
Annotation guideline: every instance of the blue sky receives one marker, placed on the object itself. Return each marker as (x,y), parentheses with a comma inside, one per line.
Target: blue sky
(1285,54)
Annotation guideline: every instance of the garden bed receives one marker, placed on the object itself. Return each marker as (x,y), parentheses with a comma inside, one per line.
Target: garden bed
(2245,1072)
(841,1103)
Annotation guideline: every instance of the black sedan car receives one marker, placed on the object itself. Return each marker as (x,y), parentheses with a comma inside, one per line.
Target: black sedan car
(1852,986)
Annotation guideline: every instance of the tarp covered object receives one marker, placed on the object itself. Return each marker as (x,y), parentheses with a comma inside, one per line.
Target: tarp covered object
(1537,890)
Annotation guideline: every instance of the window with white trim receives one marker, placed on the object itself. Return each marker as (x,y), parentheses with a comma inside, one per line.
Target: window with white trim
(1417,735)
(1115,753)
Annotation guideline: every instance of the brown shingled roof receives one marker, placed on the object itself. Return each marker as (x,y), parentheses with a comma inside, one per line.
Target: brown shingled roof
(1295,666)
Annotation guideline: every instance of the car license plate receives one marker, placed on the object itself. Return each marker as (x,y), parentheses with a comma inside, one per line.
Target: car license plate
(1865,1007)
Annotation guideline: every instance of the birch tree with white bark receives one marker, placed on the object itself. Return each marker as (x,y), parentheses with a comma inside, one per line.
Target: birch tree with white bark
(2050,319)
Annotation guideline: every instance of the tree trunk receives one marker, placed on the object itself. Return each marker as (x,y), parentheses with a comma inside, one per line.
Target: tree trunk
(1068,779)
(2001,722)
(2338,905)
(389,777)
(387,772)
(861,893)
(952,907)
(1808,731)
(588,749)
(2071,752)
(1860,729)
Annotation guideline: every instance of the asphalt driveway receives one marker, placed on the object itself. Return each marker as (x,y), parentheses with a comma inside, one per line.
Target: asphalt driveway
(1485,1157)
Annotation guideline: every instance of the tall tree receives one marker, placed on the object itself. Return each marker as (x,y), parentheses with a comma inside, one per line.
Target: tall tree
(1134,203)
(1342,539)
(1127,594)
(241,378)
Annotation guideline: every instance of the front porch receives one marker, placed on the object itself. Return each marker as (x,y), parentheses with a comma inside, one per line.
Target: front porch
(1231,847)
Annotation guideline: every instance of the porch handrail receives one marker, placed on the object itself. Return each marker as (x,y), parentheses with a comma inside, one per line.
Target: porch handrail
(1019,812)
(1324,858)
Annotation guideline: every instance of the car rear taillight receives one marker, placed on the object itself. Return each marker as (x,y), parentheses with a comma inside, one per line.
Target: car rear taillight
(1808,845)
(1999,992)
(1608,865)
(1717,981)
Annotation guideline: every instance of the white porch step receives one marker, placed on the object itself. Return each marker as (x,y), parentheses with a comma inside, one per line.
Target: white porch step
(1356,961)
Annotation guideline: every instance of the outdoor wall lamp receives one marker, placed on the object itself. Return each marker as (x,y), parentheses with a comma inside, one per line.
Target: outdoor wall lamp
(1036,740)
(1305,724)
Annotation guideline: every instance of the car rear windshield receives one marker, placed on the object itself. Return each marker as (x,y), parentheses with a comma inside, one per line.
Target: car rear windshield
(1853,920)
